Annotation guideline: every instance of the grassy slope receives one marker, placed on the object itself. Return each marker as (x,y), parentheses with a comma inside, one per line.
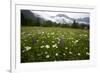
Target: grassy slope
(53,43)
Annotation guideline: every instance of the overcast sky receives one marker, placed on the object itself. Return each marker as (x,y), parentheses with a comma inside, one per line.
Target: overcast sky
(70,14)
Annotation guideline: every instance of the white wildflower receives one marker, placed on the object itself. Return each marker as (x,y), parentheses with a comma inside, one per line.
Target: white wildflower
(53,36)
(73,41)
(58,42)
(62,35)
(79,54)
(86,48)
(47,46)
(47,33)
(23,51)
(58,39)
(70,52)
(85,35)
(27,48)
(76,41)
(55,46)
(52,33)
(46,52)
(56,54)
(38,54)
(71,38)
(42,46)
(42,32)
(42,41)
(87,53)
(80,35)
(64,54)
(66,48)
(47,56)
(37,40)
(29,34)
(53,41)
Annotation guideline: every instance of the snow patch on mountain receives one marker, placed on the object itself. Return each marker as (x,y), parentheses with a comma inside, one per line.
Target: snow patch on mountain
(62,18)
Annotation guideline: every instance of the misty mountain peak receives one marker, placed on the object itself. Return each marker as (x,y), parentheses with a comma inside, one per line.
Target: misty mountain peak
(65,16)
(58,17)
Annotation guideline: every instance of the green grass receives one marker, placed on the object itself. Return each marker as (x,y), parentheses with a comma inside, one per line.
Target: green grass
(42,44)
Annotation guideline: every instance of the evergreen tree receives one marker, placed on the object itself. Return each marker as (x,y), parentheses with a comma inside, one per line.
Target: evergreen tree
(75,24)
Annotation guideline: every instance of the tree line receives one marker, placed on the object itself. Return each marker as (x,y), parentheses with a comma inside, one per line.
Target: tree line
(36,21)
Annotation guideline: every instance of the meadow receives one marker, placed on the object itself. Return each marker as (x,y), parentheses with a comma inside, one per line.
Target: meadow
(43,44)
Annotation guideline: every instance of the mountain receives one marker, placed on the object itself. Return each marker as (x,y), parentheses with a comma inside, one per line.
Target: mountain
(58,18)
(85,20)
(67,19)
(28,14)
(30,18)
(63,19)
(65,16)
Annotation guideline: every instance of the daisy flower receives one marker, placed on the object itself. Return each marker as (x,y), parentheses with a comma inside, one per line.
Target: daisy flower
(87,53)
(66,47)
(70,52)
(41,46)
(47,46)
(27,48)
(55,46)
(79,54)
(64,54)
(47,56)
(56,54)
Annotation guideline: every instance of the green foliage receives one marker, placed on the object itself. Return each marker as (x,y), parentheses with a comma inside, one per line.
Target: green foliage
(41,44)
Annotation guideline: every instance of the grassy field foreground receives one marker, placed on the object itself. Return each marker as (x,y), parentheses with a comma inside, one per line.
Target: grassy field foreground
(42,44)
